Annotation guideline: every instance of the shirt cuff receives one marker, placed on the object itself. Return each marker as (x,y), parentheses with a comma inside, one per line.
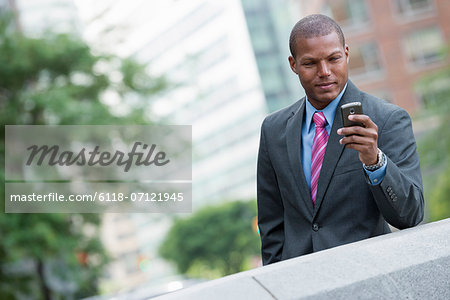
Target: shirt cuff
(375,177)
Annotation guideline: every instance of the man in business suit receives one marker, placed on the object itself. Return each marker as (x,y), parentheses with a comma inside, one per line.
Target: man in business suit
(321,185)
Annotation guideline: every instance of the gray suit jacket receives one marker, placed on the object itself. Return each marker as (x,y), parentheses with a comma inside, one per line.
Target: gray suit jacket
(348,208)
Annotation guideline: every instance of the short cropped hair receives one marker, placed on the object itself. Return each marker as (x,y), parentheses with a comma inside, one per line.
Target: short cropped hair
(314,26)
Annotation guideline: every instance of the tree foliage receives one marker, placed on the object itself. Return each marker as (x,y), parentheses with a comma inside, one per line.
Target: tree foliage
(57,80)
(213,242)
(434,148)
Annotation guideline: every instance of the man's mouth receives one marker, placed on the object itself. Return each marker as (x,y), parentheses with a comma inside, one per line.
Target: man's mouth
(325,85)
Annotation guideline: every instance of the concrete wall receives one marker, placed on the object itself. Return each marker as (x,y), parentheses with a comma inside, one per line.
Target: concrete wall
(408,264)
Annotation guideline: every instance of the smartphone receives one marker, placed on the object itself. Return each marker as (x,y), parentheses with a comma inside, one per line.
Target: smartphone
(351,109)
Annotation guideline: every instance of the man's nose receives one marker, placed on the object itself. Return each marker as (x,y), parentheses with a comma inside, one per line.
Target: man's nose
(323,70)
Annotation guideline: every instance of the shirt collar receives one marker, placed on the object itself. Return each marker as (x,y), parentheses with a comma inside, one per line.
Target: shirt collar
(329,111)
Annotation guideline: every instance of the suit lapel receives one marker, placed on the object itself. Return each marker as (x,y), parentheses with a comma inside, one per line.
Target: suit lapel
(294,144)
(334,149)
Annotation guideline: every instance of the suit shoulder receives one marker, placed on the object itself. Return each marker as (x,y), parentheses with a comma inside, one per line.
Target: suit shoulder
(381,110)
(380,104)
(282,115)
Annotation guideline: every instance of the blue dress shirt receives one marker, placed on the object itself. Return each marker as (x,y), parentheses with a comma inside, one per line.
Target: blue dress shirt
(309,130)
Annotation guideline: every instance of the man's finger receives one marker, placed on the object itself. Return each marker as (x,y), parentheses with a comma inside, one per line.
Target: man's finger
(358,130)
(356,139)
(364,119)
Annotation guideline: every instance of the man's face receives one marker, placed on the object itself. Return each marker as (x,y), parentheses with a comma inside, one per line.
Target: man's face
(321,64)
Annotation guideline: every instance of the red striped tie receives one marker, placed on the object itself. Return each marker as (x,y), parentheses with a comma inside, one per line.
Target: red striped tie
(318,151)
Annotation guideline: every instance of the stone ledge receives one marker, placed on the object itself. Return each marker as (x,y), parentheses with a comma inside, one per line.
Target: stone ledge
(409,264)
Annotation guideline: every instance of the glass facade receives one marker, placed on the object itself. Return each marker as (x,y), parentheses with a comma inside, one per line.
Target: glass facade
(269,24)
(207,51)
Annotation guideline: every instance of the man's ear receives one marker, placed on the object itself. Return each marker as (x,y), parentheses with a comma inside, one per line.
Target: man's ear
(346,50)
(292,64)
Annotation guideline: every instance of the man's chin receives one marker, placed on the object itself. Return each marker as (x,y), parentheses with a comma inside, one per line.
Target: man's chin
(327,97)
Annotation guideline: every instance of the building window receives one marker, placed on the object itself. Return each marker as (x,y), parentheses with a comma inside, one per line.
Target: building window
(350,14)
(424,46)
(365,60)
(412,7)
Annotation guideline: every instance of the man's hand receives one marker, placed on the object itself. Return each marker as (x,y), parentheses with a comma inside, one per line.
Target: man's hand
(362,139)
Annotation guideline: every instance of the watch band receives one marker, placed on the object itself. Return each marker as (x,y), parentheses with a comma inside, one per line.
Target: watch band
(380,162)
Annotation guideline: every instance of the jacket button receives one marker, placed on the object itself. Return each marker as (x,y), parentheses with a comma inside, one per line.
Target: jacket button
(315,227)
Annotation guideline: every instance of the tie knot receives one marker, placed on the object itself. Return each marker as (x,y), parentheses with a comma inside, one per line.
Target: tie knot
(319,119)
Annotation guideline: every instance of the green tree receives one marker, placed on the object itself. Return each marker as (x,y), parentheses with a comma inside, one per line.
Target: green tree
(57,80)
(213,242)
(434,147)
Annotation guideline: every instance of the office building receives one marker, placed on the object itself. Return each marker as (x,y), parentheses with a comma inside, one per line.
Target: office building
(269,23)
(393,43)
(218,84)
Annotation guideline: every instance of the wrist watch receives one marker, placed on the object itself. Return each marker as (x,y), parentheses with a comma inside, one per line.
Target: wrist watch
(380,162)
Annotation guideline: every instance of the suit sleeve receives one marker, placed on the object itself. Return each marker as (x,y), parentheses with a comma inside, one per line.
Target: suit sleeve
(270,207)
(400,194)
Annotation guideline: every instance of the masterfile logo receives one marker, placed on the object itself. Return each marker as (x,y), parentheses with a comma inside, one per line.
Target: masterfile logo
(95,157)
(99,152)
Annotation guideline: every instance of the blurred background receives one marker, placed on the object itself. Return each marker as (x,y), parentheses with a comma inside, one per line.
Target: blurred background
(220,66)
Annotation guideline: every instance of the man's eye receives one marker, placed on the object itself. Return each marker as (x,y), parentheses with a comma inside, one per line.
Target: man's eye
(335,58)
(308,63)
